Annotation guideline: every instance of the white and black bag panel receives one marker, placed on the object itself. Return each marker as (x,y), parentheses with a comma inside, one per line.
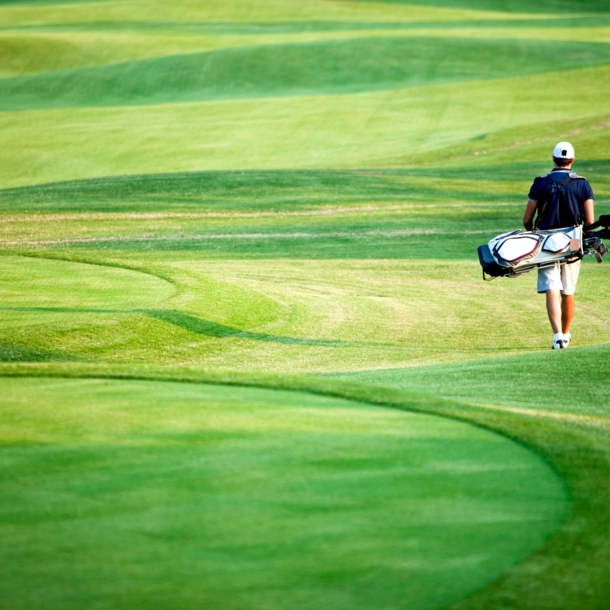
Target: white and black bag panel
(516,248)
(563,241)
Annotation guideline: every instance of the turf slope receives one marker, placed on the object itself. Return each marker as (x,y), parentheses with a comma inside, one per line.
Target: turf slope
(237,245)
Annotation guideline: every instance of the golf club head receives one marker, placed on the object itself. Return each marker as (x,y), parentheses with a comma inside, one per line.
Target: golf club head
(598,257)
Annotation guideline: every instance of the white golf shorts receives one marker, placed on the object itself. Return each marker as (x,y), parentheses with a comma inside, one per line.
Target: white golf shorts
(559,277)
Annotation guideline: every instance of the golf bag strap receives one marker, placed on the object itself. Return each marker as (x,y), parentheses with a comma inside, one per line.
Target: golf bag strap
(571,175)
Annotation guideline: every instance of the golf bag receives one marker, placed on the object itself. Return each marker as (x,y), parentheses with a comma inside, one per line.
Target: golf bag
(513,254)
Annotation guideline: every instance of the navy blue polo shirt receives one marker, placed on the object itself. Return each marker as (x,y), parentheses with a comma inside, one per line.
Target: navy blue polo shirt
(577,191)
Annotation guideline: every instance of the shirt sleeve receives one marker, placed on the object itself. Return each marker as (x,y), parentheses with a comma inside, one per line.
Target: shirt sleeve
(588,191)
(534,193)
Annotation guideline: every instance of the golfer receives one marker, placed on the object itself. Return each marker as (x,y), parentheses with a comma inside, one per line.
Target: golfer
(576,206)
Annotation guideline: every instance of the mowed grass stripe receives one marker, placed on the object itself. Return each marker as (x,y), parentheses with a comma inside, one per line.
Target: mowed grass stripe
(281,194)
(241,11)
(296,69)
(374,129)
(224,212)
(557,26)
(34,52)
(269,193)
(543,6)
(43,49)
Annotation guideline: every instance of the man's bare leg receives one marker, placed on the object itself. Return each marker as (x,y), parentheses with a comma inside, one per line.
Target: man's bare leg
(553,307)
(567,312)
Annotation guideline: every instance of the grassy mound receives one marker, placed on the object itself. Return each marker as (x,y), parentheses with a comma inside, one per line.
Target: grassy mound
(544,6)
(296,69)
(200,202)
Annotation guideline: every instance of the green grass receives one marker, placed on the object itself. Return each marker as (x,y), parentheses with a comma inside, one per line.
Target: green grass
(247,357)
(544,6)
(221,488)
(574,383)
(333,67)
(239,11)
(372,129)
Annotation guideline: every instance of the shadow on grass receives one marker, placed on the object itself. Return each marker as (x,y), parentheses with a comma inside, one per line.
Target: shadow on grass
(195,324)
(15,352)
(212,329)
(190,322)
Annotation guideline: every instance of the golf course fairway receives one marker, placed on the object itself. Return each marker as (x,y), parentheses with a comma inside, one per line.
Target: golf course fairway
(247,358)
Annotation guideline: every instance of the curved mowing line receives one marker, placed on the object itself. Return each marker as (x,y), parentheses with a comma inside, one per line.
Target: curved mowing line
(594,420)
(309,68)
(234,236)
(87,261)
(321,210)
(530,471)
(393,399)
(551,7)
(572,571)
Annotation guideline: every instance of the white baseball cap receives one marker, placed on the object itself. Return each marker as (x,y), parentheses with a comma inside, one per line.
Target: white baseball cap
(563,150)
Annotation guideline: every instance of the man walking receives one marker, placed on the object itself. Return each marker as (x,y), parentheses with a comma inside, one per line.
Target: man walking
(562,199)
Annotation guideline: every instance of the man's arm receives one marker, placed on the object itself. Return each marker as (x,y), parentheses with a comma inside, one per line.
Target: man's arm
(530,211)
(589,212)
